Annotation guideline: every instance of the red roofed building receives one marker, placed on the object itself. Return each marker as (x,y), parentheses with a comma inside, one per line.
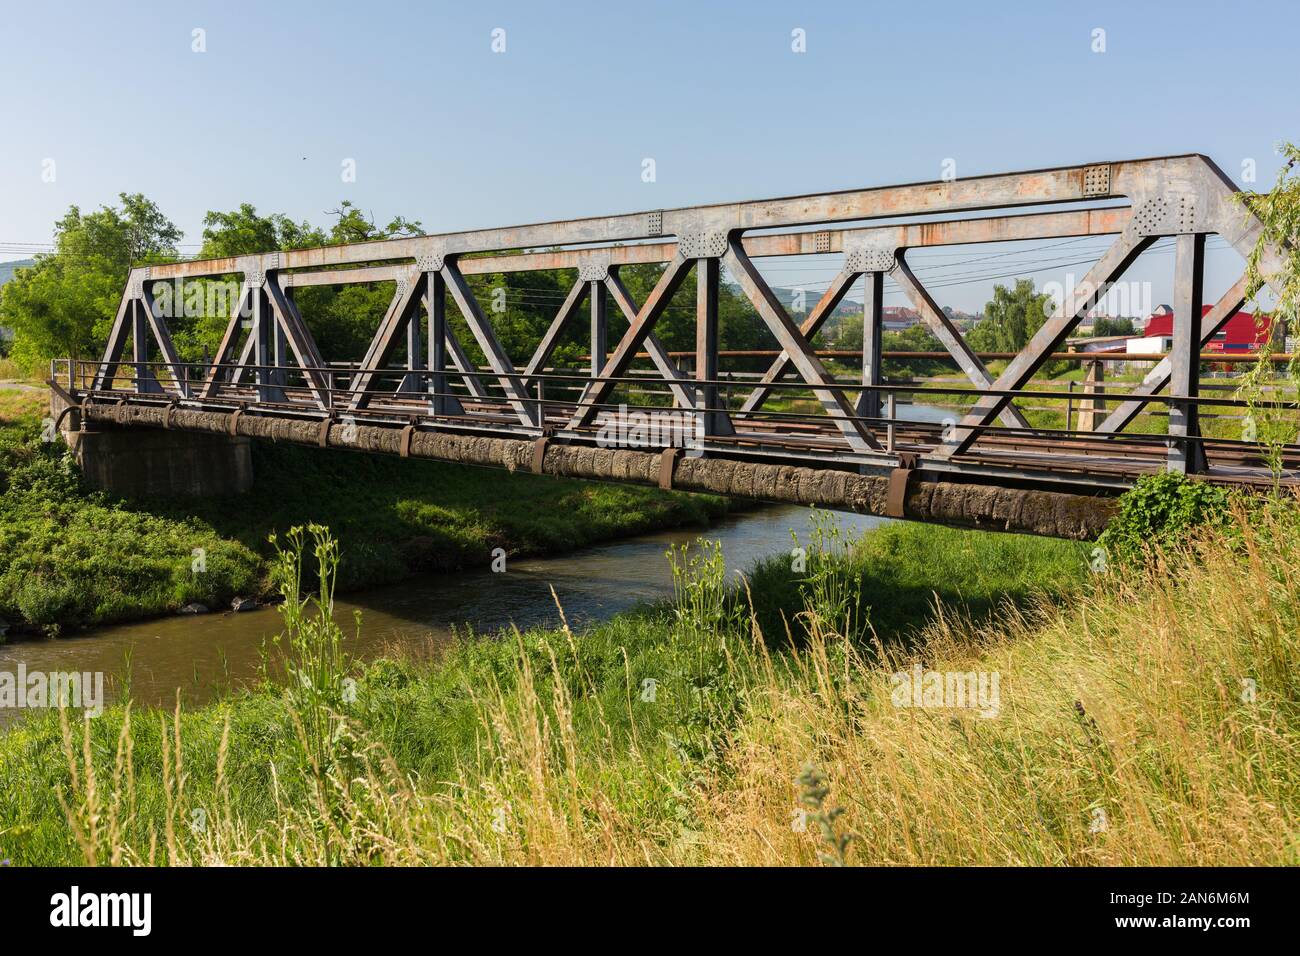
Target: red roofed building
(1244,332)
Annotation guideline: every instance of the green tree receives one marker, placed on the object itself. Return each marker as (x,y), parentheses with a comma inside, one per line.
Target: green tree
(1012,317)
(244,232)
(1275,258)
(64,304)
(1105,327)
(351,225)
(914,338)
(341,319)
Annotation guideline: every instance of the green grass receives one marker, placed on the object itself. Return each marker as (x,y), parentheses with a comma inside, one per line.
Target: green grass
(904,570)
(427,715)
(70,556)
(394,516)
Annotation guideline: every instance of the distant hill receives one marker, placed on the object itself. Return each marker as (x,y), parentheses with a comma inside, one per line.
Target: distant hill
(7,269)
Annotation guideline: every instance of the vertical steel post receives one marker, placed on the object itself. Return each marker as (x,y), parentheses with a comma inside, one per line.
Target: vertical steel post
(1185,452)
(140,345)
(413,380)
(599,328)
(872,296)
(890,411)
(267,349)
(707,276)
(260,345)
(280,348)
(437,338)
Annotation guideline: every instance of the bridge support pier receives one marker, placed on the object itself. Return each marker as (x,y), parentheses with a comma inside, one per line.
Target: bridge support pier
(156,462)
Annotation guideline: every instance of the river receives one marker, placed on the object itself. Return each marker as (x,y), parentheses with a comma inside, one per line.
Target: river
(205,654)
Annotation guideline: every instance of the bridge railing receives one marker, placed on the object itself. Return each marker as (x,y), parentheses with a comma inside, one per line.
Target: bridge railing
(915,417)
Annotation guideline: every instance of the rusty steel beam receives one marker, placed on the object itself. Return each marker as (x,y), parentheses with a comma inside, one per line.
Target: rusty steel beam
(1020,228)
(510,382)
(1186,455)
(400,312)
(1049,336)
(638,329)
(551,338)
(1054,513)
(972,194)
(830,299)
(1009,190)
(949,336)
(654,349)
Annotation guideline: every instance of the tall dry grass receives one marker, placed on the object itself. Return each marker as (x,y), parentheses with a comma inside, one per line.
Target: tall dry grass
(1152,721)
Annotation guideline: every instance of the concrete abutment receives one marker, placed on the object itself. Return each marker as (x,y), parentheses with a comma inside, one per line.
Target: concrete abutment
(155,462)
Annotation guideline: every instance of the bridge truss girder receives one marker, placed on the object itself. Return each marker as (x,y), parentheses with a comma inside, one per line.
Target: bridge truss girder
(1179,197)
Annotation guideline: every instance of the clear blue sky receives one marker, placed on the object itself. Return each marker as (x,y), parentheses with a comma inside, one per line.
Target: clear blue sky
(446,131)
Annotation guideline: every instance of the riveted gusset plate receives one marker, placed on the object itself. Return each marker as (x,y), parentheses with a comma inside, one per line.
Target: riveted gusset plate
(702,245)
(869,260)
(431,259)
(594,269)
(254,272)
(866,255)
(1096,180)
(1172,214)
(135,283)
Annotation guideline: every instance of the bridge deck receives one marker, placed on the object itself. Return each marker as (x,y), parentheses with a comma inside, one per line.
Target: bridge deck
(1077,459)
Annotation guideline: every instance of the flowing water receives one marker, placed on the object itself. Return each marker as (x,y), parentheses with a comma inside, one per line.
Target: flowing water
(203,654)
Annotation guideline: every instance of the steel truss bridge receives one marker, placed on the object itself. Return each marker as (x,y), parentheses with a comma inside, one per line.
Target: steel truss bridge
(417,380)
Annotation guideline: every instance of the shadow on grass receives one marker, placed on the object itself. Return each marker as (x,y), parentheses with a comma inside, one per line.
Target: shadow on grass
(394,517)
(904,568)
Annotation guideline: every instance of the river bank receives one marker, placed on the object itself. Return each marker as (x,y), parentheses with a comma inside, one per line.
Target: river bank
(70,558)
(209,656)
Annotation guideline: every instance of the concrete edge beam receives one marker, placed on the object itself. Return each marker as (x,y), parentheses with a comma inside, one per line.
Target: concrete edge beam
(986,507)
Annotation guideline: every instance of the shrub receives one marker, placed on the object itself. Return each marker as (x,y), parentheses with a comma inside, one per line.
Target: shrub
(1160,511)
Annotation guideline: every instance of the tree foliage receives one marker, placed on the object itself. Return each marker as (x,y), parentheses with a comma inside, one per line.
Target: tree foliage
(1275,259)
(64,304)
(1160,511)
(1012,317)
(1278,211)
(1106,327)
